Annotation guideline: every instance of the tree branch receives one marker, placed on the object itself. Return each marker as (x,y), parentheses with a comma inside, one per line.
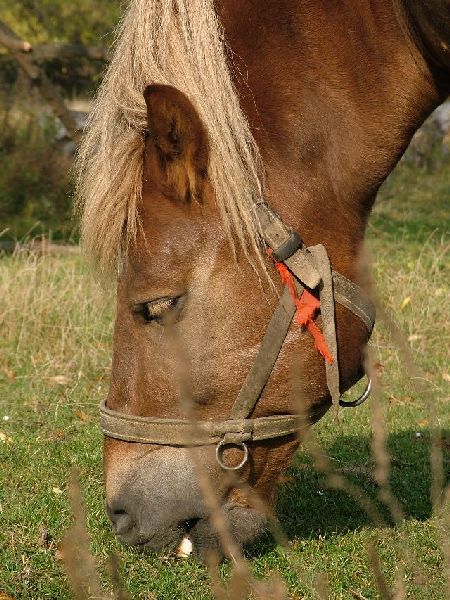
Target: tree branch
(11,40)
(20,51)
(43,52)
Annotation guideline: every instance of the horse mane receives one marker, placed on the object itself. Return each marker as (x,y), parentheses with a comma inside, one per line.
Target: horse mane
(426,25)
(178,43)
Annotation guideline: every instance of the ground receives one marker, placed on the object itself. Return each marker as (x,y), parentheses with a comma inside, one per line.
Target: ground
(55,341)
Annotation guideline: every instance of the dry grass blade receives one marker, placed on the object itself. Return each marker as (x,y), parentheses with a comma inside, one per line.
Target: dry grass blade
(437,491)
(256,502)
(337,481)
(380,580)
(212,563)
(78,559)
(444,522)
(379,438)
(321,586)
(79,562)
(239,584)
(119,591)
(274,587)
(400,590)
(379,447)
(217,517)
(357,595)
(379,431)
(322,462)
(420,384)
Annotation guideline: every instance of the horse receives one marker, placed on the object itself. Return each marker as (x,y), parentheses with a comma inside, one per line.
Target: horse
(216,121)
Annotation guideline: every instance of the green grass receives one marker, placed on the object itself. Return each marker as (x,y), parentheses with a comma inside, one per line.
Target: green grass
(55,341)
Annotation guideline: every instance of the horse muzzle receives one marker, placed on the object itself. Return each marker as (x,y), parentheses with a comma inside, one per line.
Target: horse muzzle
(155,499)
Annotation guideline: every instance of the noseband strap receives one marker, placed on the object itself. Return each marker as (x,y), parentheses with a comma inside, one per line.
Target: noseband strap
(310,268)
(181,432)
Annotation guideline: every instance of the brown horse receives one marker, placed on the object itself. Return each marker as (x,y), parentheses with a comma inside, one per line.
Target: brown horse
(307,104)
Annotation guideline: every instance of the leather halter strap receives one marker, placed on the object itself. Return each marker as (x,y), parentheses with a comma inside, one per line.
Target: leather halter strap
(181,432)
(312,269)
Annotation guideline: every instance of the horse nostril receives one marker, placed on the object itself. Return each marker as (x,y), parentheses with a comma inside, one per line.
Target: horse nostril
(120,519)
(187,525)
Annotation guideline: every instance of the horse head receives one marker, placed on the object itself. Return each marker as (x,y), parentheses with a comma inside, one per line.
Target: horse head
(189,323)
(327,99)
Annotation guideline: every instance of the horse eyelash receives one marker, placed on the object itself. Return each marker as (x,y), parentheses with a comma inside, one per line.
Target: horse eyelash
(157,309)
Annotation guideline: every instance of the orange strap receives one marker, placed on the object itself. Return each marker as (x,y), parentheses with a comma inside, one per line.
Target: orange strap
(307,307)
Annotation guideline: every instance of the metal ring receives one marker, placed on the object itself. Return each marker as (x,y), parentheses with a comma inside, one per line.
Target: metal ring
(359,400)
(241,445)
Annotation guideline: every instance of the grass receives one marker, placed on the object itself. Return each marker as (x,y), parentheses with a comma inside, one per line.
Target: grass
(55,341)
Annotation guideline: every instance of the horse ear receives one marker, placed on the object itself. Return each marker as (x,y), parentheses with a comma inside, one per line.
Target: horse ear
(178,137)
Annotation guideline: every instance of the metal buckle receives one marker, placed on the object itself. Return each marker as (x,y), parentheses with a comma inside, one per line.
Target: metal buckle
(361,399)
(219,448)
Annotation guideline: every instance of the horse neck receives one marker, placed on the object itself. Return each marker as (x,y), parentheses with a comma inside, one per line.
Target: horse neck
(427,25)
(336,95)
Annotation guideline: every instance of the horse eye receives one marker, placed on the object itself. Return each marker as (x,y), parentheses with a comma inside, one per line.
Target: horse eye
(162,310)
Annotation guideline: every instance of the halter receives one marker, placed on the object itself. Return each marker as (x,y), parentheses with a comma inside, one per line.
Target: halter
(306,268)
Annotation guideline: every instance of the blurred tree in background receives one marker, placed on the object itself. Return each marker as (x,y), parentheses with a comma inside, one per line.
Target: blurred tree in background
(45,21)
(36,188)
(85,22)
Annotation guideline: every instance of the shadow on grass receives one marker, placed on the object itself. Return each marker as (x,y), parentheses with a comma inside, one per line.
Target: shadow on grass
(307,509)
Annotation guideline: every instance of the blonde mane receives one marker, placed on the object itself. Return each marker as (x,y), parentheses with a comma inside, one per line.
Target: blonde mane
(179,43)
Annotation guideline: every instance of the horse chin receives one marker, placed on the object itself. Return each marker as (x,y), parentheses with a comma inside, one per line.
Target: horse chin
(166,541)
(243,524)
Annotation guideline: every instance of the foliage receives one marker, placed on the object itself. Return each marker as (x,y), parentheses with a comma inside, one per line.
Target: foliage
(48,21)
(56,21)
(35,185)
